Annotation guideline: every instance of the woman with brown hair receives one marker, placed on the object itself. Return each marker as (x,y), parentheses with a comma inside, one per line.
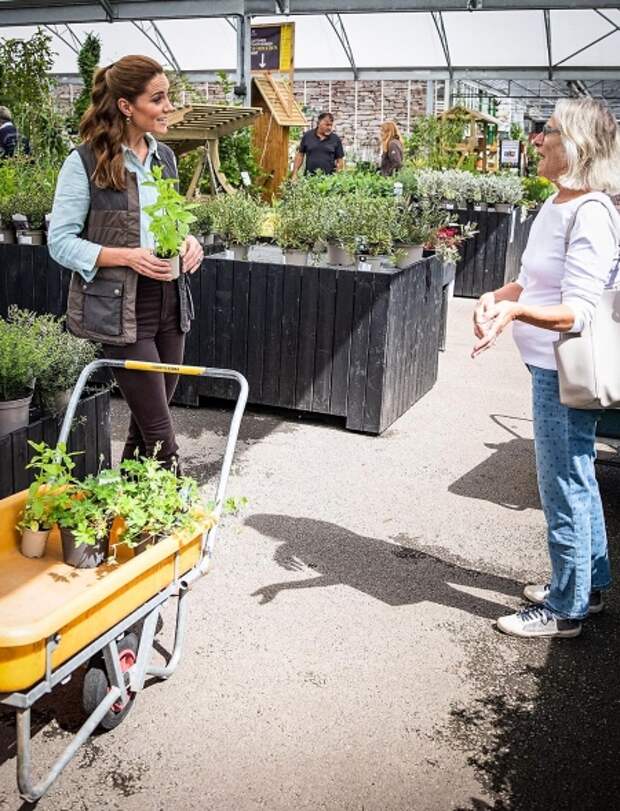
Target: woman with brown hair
(120,293)
(391,148)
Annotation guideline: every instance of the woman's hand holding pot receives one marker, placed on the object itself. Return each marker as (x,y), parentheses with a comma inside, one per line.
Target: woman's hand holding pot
(192,254)
(144,261)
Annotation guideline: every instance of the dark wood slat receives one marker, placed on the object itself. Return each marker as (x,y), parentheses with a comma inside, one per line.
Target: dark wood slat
(240,309)
(34,433)
(6,466)
(256,330)
(375,373)
(273,334)
(19,454)
(26,277)
(360,334)
(291,297)
(307,338)
(343,323)
(324,352)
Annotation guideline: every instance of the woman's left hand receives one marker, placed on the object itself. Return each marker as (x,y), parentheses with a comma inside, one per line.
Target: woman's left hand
(192,254)
(498,316)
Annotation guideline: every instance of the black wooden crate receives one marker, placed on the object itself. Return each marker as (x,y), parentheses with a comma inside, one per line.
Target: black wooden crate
(90,434)
(493,257)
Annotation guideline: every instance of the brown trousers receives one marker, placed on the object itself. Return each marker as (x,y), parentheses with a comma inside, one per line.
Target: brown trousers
(148,394)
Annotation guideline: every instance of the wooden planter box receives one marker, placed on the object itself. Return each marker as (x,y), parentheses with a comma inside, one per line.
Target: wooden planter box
(356,344)
(361,345)
(493,257)
(90,433)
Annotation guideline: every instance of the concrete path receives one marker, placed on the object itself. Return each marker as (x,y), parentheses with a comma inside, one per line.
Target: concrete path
(342,653)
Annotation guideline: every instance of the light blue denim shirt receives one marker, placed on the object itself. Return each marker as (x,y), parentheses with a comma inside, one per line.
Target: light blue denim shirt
(72,203)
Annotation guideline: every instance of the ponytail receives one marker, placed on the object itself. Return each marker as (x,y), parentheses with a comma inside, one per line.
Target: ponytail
(103,126)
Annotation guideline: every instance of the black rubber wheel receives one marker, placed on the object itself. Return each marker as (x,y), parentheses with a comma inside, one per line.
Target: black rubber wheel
(96,684)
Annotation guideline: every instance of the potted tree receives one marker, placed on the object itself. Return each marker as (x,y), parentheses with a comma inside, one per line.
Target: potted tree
(170,217)
(22,358)
(238,219)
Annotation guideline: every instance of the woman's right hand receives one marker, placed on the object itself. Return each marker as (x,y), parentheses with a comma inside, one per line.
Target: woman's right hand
(485,306)
(144,262)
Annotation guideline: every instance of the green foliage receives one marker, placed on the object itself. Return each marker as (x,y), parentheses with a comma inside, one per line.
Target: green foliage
(238,155)
(170,215)
(8,189)
(537,190)
(433,141)
(33,193)
(53,468)
(27,89)
(88,61)
(238,218)
(361,224)
(297,222)
(22,354)
(417,223)
(203,218)
(349,182)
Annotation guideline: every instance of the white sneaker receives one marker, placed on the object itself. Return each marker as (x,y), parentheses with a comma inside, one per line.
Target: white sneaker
(538,594)
(538,621)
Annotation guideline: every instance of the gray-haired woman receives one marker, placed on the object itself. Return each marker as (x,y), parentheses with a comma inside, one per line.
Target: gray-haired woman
(566,265)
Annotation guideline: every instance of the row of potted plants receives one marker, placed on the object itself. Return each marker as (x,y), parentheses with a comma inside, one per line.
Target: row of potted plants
(134,505)
(40,360)
(459,189)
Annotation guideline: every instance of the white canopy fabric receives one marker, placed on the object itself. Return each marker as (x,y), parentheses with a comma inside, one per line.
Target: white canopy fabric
(488,42)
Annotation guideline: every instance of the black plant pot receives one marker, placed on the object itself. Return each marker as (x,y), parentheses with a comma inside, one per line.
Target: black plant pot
(83,556)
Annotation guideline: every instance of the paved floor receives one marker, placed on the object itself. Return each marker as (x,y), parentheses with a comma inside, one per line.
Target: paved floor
(342,653)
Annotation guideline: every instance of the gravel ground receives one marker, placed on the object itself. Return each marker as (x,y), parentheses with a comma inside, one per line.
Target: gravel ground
(342,653)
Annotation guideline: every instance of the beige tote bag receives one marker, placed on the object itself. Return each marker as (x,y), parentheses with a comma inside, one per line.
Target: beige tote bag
(589,361)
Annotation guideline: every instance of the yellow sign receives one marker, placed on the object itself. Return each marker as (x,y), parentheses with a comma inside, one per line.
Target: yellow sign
(273,47)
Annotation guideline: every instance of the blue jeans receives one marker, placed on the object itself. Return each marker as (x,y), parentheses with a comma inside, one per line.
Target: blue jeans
(571,502)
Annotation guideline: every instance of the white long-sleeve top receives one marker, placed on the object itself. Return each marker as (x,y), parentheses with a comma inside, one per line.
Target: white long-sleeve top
(551,274)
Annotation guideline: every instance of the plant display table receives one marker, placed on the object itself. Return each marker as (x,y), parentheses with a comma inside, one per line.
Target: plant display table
(493,257)
(91,434)
(362,345)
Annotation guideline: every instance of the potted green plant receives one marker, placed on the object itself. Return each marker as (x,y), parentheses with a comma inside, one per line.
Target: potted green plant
(22,358)
(8,187)
(170,219)
(238,219)
(368,228)
(413,229)
(53,468)
(202,227)
(297,222)
(510,192)
(32,200)
(67,355)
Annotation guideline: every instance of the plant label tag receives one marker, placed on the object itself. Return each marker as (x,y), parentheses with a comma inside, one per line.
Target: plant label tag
(364,266)
(246,179)
(450,206)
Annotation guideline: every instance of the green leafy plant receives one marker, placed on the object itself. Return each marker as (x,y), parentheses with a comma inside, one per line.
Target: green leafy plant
(434,141)
(238,218)
(88,61)
(33,195)
(297,223)
(537,190)
(53,468)
(417,223)
(203,218)
(170,215)
(361,224)
(371,184)
(23,355)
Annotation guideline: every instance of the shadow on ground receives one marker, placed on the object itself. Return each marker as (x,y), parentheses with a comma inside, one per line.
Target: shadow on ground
(544,733)
(392,573)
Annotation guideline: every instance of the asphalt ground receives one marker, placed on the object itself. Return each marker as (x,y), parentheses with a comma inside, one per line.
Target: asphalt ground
(342,653)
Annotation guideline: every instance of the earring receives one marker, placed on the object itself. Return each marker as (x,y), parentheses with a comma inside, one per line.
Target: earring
(129,119)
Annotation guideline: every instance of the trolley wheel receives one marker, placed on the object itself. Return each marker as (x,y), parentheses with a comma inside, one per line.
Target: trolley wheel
(96,685)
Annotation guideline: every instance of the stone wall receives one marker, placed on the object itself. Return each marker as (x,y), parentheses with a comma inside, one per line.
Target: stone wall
(358,108)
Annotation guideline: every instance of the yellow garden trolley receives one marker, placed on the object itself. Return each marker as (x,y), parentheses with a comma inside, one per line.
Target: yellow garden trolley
(55,618)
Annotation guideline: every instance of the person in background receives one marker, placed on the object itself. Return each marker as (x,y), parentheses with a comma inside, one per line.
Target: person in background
(10,140)
(392,152)
(568,260)
(321,148)
(120,293)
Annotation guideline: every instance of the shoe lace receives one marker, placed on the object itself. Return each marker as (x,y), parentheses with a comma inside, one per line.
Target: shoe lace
(535,612)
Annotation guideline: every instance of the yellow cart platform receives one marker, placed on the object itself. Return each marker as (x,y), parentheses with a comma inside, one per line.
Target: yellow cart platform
(55,618)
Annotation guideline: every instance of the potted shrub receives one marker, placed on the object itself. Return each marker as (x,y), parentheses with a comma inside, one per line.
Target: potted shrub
(67,355)
(510,192)
(369,228)
(238,219)
(32,200)
(171,216)
(53,466)
(489,190)
(297,223)
(8,187)
(414,228)
(22,358)
(202,227)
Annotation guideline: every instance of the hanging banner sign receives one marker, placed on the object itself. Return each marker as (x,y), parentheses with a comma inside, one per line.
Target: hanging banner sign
(272,47)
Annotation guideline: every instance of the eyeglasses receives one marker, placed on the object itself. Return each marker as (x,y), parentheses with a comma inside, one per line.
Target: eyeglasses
(547,130)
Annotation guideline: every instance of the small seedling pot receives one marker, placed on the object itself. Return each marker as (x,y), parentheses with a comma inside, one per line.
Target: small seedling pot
(14,414)
(175,265)
(33,542)
(82,556)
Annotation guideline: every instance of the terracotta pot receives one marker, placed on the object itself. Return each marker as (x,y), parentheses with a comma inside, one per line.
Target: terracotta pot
(14,414)
(33,542)
(82,556)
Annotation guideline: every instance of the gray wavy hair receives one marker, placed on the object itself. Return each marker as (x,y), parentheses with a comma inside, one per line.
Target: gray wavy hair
(592,143)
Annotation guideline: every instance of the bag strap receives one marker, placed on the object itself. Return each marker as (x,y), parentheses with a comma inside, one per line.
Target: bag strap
(571,224)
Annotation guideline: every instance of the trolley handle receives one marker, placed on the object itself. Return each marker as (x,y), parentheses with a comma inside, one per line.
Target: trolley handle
(177,369)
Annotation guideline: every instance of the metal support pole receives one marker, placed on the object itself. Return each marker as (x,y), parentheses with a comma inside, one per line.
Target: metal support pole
(244,67)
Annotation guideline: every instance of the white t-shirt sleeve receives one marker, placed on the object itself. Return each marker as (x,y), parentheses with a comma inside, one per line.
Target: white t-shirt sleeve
(589,260)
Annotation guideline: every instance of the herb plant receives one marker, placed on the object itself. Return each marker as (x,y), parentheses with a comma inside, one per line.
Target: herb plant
(170,215)
(238,218)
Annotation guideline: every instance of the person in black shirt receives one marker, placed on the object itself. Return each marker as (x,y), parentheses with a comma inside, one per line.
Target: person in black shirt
(321,148)
(10,139)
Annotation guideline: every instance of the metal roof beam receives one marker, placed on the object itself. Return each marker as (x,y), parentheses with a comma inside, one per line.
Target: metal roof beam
(547,17)
(614,29)
(335,20)
(156,38)
(67,35)
(443,38)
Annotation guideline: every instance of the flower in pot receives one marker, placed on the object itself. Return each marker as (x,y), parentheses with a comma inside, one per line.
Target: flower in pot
(22,359)
(239,219)
(170,219)
(67,356)
(297,223)
(53,468)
